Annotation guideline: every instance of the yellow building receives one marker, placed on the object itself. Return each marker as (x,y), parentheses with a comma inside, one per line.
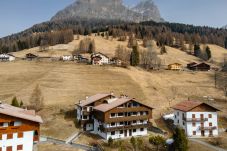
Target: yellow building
(175,66)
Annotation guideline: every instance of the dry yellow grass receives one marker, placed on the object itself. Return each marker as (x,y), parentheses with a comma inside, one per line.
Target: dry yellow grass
(54,147)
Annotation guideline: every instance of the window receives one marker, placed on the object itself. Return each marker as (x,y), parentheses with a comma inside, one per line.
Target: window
(210,115)
(183,123)
(201,116)
(134,122)
(121,131)
(112,124)
(193,124)
(194,132)
(210,124)
(193,115)
(141,121)
(120,114)
(134,113)
(11,123)
(1,124)
(17,123)
(9,136)
(121,123)
(113,133)
(141,129)
(134,130)
(85,117)
(178,121)
(146,113)
(177,113)
(9,148)
(175,116)
(112,114)
(19,147)
(141,113)
(20,135)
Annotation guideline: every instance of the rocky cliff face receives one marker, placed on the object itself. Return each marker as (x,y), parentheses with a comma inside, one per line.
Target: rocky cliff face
(110,9)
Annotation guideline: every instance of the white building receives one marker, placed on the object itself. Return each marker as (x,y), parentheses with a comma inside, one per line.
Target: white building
(7,57)
(115,117)
(99,59)
(198,119)
(67,58)
(19,128)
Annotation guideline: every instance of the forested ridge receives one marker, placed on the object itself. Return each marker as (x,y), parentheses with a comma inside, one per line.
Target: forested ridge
(61,32)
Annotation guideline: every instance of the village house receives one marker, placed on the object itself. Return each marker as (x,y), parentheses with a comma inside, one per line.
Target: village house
(99,59)
(198,119)
(175,66)
(7,57)
(19,128)
(31,57)
(198,67)
(67,58)
(115,117)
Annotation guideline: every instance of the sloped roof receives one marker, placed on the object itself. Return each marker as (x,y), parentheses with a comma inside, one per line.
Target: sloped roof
(93,99)
(115,103)
(20,113)
(189,105)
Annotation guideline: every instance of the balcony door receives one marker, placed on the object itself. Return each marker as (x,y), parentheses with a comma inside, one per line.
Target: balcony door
(130,132)
(210,133)
(202,133)
(125,133)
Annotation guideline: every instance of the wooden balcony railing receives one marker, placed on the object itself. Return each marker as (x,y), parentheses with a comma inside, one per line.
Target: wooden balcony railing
(127,118)
(207,127)
(125,127)
(195,119)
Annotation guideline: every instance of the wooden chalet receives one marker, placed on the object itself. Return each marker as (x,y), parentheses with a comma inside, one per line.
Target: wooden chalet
(175,66)
(115,117)
(199,67)
(19,128)
(31,56)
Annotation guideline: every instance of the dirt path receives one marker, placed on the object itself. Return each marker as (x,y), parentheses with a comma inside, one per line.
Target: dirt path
(208,145)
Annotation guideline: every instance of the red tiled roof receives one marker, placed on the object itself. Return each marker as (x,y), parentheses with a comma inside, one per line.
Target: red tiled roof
(20,113)
(189,105)
(93,98)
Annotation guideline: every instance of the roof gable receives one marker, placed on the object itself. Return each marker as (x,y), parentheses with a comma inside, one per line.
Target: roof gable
(20,113)
(94,98)
(116,103)
(187,106)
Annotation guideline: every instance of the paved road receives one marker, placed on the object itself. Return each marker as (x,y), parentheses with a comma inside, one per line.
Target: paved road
(208,145)
(61,142)
(70,139)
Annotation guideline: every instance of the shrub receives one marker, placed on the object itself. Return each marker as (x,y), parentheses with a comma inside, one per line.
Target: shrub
(110,141)
(158,141)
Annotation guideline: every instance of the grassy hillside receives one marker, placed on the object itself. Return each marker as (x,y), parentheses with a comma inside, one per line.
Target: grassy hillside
(108,47)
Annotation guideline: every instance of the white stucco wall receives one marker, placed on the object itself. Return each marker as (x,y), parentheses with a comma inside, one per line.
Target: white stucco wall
(26,141)
(189,128)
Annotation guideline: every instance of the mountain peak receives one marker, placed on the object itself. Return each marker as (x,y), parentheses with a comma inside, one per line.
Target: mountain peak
(110,9)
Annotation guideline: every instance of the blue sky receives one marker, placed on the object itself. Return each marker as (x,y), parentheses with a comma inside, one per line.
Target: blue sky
(17,15)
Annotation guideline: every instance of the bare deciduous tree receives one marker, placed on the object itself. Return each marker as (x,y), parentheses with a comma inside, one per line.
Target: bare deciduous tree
(36,100)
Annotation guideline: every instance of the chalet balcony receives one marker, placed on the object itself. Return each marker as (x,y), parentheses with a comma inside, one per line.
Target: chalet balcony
(207,127)
(125,127)
(128,118)
(195,119)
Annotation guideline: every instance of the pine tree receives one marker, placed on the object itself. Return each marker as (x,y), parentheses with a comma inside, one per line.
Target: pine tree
(21,103)
(197,50)
(133,142)
(158,141)
(15,102)
(135,58)
(163,50)
(208,52)
(180,140)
